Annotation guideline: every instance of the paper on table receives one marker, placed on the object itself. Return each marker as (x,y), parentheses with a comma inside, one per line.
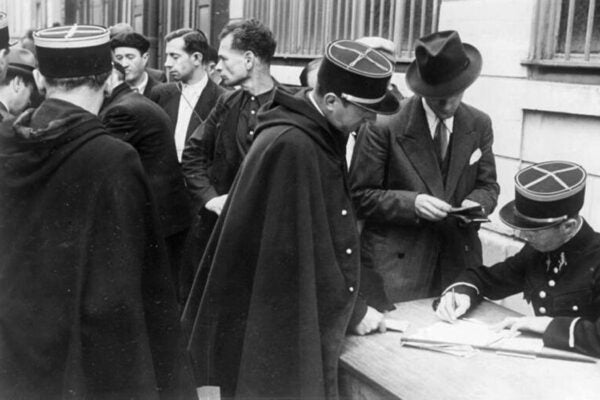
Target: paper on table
(463,332)
(396,325)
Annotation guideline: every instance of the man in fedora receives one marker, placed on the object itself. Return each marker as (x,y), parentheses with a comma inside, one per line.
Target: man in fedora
(87,307)
(284,255)
(558,269)
(412,168)
(18,85)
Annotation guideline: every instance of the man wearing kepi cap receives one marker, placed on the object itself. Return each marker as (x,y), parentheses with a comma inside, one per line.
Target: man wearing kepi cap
(284,256)
(412,168)
(558,269)
(87,306)
(18,85)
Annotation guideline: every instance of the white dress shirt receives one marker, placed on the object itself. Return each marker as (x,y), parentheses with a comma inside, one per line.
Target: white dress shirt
(142,86)
(432,121)
(189,97)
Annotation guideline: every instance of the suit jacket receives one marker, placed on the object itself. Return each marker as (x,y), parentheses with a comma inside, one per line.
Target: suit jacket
(137,120)
(150,85)
(395,161)
(157,74)
(168,95)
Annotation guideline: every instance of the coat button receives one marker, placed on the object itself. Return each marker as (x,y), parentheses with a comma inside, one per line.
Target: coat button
(351,289)
(467,247)
(344,212)
(551,283)
(251,133)
(542,310)
(252,112)
(575,308)
(348,251)
(542,294)
(555,270)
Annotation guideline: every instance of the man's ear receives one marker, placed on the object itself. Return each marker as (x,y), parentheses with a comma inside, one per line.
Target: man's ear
(570,225)
(40,81)
(249,60)
(17,83)
(198,58)
(330,99)
(145,58)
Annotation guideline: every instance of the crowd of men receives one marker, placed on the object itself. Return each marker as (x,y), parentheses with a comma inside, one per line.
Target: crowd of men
(221,229)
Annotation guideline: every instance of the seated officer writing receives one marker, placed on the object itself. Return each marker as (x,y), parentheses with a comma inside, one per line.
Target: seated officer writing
(557,269)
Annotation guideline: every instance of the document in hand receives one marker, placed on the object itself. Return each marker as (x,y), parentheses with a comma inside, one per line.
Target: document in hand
(468,215)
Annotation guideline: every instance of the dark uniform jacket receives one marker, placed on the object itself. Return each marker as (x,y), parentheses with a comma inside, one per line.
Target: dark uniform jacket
(143,124)
(394,162)
(87,308)
(168,95)
(282,264)
(150,85)
(564,284)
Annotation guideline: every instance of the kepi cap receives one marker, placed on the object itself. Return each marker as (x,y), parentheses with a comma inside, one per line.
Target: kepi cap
(4,34)
(21,60)
(73,51)
(546,194)
(358,74)
(443,65)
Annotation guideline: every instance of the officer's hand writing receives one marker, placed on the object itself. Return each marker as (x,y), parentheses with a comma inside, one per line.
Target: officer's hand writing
(453,305)
(373,320)
(431,208)
(527,324)
(216,204)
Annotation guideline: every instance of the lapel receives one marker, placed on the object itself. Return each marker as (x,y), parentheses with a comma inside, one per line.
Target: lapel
(173,96)
(151,83)
(203,106)
(462,146)
(416,141)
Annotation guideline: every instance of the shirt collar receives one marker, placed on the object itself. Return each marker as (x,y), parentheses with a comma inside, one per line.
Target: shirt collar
(314,103)
(432,119)
(195,88)
(142,86)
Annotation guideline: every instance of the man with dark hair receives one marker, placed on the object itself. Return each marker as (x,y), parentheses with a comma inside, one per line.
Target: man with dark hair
(216,149)
(131,51)
(189,101)
(143,124)
(18,85)
(412,169)
(87,306)
(558,269)
(270,320)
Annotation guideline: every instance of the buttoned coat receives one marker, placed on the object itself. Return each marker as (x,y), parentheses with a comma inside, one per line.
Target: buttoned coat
(168,96)
(394,162)
(563,284)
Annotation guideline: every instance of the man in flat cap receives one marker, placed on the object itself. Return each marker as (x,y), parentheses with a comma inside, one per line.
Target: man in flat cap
(558,269)
(284,256)
(18,85)
(131,51)
(414,167)
(87,306)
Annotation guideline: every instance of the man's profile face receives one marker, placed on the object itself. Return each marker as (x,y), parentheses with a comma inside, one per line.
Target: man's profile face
(348,117)
(232,63)
(544,240)
(133,61)
(3,63)
(179,64)
(445,107)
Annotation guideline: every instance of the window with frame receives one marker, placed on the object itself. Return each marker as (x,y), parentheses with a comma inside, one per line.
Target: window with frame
(304,27)
(566,33)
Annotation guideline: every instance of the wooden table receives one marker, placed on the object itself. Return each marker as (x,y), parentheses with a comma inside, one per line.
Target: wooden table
(377,367)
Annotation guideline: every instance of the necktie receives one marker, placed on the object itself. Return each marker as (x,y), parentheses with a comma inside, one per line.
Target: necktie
(440,139)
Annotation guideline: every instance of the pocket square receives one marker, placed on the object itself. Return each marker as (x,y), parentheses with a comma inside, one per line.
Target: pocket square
(475,157)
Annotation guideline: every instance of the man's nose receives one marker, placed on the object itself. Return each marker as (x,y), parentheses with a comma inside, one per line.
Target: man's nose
(219,66)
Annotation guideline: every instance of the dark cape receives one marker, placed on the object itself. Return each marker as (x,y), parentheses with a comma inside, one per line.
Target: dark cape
(87,307)
(277,287)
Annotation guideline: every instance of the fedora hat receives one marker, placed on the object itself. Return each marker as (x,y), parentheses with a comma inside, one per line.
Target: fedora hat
(546,194)
(443,65)
(22,61)
(358,74)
